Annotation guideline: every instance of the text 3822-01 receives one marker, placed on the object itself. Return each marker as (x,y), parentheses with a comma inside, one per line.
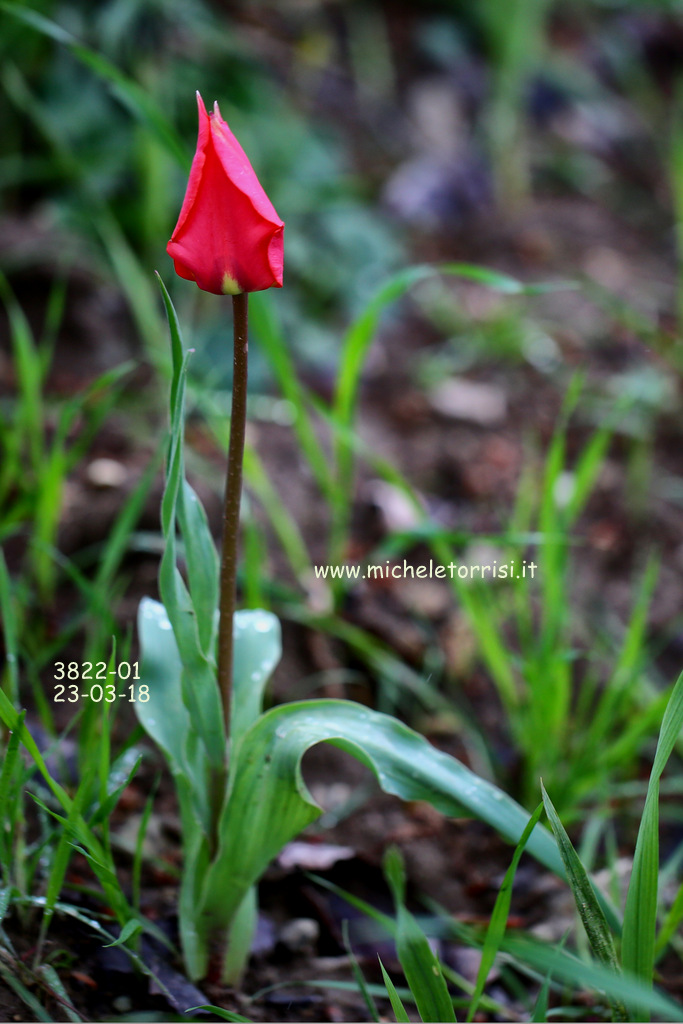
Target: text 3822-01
(74,670)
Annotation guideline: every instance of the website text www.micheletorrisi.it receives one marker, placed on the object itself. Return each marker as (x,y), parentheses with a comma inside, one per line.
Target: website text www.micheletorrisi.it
(433,570)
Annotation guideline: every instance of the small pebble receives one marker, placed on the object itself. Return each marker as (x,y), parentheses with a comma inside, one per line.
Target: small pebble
(106,473)
(300,934)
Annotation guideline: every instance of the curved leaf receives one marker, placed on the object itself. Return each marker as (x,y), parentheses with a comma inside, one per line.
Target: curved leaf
(269,804)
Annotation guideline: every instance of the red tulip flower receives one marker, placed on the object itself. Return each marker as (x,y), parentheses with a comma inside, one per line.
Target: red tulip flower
(228,237)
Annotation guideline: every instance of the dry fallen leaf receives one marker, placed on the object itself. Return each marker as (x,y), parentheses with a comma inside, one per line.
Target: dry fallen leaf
(460,399)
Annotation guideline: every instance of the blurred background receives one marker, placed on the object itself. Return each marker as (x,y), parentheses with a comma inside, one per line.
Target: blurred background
(538,140)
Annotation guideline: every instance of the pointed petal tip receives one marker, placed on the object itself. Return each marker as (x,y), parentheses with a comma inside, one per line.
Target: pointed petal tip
(200,104)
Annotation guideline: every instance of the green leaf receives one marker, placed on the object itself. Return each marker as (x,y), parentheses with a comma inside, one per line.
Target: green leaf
(129,929)
(24,994)
(258,647)
(590,911)
(274,345)
(394,998)
(9,630)
(191,612)
(56,989)
(420,966)
(63,852)
(358,975)
(164,716)
(640,913)
(671,923)
(268,803)
(136,99)
(590,975)
(217,1011)
(355,348)
(257,650)
(167,720)
(499,917)
(201,558)
(283,523)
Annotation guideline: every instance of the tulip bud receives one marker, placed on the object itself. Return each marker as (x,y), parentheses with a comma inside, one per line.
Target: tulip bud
(228,238)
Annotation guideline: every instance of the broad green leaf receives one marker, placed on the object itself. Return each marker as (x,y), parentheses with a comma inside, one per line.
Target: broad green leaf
(258,647)
(269,803)
(164,716)
(196,860)
(239,938)
(590,911)
(257,650)
(167,720)
(420,966)
(640,913)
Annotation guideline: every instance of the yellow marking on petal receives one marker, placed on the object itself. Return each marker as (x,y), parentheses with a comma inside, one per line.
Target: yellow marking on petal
(230,285)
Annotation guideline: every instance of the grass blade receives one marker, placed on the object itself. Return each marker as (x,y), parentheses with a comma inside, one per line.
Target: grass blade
(274,346)
(590,911)
(499,917)
(358,975)
(395,999)
(9,629)
(640,914)
(136,99)
(420,966)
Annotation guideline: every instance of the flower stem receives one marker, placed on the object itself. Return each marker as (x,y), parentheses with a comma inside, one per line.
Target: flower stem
(231,508)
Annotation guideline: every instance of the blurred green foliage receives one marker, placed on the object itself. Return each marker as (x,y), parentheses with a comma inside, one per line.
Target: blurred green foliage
(68,134)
